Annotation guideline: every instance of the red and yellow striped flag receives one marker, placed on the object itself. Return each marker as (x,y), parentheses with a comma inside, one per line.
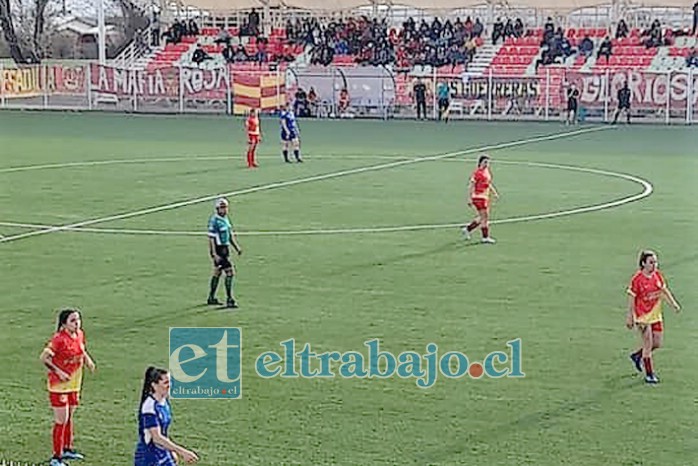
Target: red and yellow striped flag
(265,92)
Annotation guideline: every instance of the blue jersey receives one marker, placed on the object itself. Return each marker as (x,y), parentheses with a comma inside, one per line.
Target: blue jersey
(290,131)
(153,414)
(220,229)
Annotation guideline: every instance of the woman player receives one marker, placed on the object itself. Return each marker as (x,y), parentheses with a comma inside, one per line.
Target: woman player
(254,137)
(154,447)
(479,195)
(65,356)
(645,293)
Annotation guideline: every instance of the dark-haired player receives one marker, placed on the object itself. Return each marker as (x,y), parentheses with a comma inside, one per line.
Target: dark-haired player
(64,356)
(479,191)
(645,293)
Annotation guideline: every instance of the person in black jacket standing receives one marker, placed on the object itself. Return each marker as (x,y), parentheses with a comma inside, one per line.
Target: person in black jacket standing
(420,97)
(624,96)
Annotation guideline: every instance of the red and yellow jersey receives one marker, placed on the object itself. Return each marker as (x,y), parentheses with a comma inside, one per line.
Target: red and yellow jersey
(252,125)
(481,180)
(647,295)
(68,354)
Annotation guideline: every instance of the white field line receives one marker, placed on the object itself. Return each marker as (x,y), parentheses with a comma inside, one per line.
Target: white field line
(282,184)
(96,163)
(647,191)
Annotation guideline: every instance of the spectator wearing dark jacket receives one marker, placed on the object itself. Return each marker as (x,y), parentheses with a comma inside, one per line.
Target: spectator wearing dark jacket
(199,56)
(586,47)
(605,49)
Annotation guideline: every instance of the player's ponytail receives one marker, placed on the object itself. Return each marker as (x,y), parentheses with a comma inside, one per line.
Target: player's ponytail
(152,375)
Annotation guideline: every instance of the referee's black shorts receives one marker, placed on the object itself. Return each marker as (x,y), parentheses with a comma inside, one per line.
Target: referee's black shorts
(223,253)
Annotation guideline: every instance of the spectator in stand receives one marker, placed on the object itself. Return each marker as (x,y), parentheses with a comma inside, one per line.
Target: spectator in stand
(174,34)
(478,28)
(155,28)
(223,36)
(692,58)
(547,57)
(262,45)
(193,28)
(566,49)
(509,29)
(228,53)
(518,28)
(241,55)
(199,56)
(622,31)
(497,31)
(253,23)
(695,19)
(653,35)
(586,47)
(605,49)
(548,29)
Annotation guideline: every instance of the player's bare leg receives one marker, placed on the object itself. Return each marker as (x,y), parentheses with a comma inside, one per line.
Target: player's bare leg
(485,216)
(647,345)
(472,226)
(251,149)
(297,150)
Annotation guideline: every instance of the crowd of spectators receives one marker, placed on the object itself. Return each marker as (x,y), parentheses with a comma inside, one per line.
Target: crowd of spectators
(556,47)
(373,42)
(502,30)
(179,29)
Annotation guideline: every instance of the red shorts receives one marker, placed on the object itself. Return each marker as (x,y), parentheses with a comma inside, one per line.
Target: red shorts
(657,326)
(253,138)
(59,400)
(480,203)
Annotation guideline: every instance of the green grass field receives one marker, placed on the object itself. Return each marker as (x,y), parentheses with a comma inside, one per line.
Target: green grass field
(558,284)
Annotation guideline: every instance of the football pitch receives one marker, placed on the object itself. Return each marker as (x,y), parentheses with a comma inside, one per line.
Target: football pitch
(108,213)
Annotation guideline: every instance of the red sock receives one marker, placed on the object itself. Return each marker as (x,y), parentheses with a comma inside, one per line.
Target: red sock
(648,365)
(473,225)
(252,156)
(58,436)
(249,158)
(485,232)
(68,435)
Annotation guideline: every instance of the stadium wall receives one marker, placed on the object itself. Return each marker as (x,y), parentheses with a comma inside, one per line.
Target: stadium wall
(374,92)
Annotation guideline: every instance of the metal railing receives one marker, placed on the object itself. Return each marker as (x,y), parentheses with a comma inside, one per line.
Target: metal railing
(353,92)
